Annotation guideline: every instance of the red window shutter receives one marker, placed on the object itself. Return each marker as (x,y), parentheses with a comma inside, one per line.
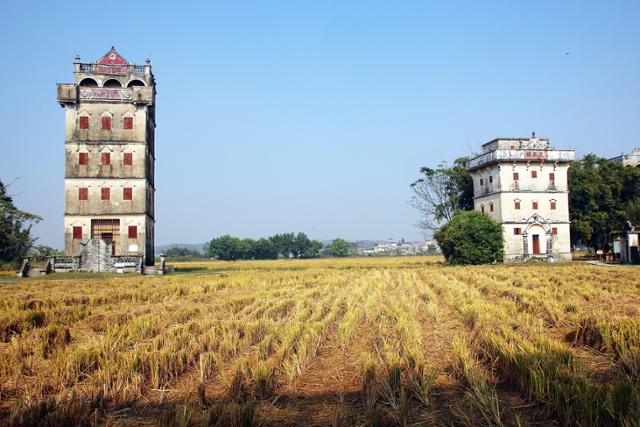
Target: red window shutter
(516,176)
(517,231)
(554,231)
(553,205)
(106,193)
(128,122)
(127,193)
(552,177)
(106,122)
(84,122)
(83,194)
(534,174)
(133,232)
(534,205)
(481,181)
(83,159)
(128,159)
(77,233)
(517,204)
(106,159)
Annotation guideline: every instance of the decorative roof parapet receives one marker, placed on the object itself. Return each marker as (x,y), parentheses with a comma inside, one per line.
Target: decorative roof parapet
(559,156)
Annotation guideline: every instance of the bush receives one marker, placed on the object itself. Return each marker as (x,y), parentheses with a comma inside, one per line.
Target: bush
(471,238)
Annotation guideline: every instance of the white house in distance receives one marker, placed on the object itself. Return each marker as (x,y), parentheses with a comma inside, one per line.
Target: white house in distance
(522,183)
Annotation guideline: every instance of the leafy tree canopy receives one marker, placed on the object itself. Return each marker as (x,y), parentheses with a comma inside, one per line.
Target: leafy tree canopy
(471,238)
(339,247)
(603,196)
(15,229)
(280,245)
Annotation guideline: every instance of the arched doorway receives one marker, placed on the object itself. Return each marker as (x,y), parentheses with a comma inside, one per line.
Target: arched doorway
(536,239)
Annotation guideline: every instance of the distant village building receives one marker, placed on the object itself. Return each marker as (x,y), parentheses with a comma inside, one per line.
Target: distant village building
(522,183)
(109,163)
(632,159)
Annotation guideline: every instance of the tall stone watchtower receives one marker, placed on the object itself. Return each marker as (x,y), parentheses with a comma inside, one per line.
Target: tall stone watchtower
(522,183)
(110,155)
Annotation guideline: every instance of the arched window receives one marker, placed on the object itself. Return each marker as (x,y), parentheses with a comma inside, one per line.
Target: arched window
(133,83)
(482,208)
(112,83)
(516,204)
(88,82)
(490,206)
(552,204)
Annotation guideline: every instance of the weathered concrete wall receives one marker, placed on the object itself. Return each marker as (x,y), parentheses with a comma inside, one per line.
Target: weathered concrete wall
(140,203)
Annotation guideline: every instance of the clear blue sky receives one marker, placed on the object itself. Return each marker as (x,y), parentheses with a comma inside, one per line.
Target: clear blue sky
(316,115)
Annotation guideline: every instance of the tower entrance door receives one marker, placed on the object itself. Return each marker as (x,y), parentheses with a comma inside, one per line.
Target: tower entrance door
(107,230)
(536,244)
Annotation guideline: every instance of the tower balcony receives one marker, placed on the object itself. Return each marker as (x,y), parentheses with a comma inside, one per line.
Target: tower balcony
(141,70)
(496,156)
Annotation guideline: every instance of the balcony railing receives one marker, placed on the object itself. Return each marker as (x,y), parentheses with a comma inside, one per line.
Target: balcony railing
(522,156)
(113,69)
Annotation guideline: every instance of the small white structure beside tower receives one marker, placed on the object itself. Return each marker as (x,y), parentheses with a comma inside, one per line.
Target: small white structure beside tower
(522,183)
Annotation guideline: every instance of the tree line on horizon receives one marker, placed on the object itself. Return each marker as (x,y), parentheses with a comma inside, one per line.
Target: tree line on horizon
(286,245)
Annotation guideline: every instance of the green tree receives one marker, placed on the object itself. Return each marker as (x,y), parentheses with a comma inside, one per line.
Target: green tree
(439,192)
(339,247)
(312,249)
(603,196)
(246,248)
(284,243)
(15,229)
(265,249)
(471,238)
(225,248)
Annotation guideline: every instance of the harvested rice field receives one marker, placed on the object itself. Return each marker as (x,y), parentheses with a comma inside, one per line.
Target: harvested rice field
(371,342)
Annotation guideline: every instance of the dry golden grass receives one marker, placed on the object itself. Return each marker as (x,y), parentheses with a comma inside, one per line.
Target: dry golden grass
(367,341)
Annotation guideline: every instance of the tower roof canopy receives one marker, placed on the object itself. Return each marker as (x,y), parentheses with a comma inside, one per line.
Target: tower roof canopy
(113,58)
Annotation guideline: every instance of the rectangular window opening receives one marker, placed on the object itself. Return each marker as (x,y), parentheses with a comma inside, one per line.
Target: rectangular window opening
(83,193)
(84,122)
(534,205)
(128,122)
(517,231)
(554,231)
(77,233)
(105,193)
(534,174)
(133,231)
(83,159)
(106,159)
(127,193)
(106,123)
(128,159)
